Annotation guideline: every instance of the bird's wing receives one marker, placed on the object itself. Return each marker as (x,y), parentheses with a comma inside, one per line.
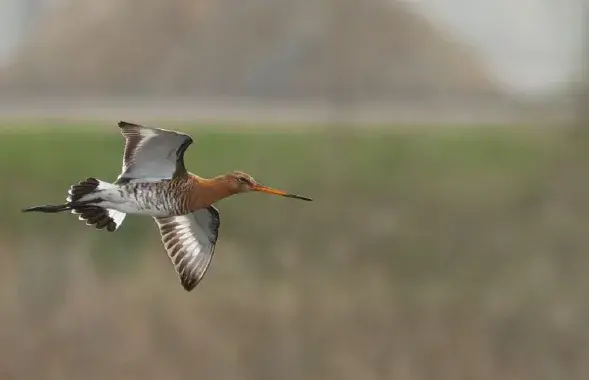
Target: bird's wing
(152,154)
(190,243)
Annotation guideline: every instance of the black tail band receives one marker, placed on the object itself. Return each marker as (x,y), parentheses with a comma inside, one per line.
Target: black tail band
(48,208)
(56,208)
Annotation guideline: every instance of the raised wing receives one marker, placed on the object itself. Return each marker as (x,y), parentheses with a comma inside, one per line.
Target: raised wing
(190,243)
(152,154)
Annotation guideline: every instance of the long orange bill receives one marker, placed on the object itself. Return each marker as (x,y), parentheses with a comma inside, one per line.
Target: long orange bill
(269,190)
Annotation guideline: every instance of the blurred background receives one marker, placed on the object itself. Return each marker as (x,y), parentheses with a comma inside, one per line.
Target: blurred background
(444,142)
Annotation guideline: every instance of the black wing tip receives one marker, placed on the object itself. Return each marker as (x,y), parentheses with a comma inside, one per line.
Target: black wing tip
(189,285)
(186,143)
(124,124)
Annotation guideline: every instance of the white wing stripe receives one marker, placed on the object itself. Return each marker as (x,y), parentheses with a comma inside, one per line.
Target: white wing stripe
(144,138)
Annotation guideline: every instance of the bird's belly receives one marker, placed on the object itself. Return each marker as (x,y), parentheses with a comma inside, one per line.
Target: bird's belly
(145,200)
(131,206)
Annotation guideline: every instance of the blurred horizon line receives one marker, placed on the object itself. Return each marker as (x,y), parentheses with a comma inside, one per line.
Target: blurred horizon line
(245,110)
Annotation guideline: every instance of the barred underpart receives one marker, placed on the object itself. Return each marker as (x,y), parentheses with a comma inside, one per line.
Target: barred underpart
(166,196)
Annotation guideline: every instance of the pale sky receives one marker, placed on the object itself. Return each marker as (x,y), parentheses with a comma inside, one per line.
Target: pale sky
(531,45)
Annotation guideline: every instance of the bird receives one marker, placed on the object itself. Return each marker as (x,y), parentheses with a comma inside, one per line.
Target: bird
(154,182)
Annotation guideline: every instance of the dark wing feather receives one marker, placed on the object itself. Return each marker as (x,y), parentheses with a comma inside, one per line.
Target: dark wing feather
(190,243)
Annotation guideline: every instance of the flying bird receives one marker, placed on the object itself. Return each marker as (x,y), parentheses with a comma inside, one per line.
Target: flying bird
(154,182)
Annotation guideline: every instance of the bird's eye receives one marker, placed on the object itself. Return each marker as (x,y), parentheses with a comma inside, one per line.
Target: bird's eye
(242,180)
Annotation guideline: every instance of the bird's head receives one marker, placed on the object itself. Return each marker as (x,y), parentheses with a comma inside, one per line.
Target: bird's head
(241,182)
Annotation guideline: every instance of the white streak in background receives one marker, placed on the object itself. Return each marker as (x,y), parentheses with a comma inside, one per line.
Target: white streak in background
(9,28)
(532,46)
(17,19)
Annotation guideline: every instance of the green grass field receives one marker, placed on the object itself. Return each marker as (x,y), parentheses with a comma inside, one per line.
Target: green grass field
(40,167)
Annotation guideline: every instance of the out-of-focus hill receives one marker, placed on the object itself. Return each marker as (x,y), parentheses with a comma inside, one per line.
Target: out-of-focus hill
(260,48)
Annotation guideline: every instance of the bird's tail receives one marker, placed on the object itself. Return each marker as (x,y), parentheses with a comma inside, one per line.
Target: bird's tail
(50,208)
(83,199)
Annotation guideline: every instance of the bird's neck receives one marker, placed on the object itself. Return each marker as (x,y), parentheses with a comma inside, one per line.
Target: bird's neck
(206,191)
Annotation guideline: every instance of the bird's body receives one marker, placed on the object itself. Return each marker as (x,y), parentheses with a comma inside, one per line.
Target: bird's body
(141,198)
(163,198)
(166,197)
(155,183)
